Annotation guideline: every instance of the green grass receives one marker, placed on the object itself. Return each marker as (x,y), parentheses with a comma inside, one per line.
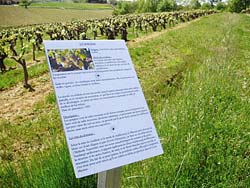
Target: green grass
(11,16)
(12,77)
(196,82)
(84,6)
(40,174)
(204,126)
(31,133)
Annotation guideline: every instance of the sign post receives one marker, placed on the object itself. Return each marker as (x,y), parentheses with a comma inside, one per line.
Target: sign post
(105,116)
(110,178)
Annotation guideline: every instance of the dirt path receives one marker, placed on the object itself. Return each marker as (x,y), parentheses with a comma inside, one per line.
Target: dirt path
(135,42)
(17,102)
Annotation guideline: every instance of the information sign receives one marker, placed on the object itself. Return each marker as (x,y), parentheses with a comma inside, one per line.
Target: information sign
(105,117)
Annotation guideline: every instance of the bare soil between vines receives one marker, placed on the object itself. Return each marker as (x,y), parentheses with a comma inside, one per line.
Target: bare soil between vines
(17,101)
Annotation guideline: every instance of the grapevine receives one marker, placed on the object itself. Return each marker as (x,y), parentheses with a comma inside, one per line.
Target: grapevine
(17,43)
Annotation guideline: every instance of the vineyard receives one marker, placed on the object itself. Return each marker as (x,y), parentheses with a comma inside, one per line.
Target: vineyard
(15,16)
(194,70)
(23,43)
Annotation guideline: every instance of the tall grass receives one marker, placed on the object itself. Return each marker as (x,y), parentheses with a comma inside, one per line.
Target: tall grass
(204,126)
(54,170)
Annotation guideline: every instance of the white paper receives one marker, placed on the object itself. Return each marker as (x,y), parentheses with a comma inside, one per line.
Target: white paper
(105,117)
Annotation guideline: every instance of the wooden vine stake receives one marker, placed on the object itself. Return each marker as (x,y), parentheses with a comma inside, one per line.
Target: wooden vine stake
(110,178)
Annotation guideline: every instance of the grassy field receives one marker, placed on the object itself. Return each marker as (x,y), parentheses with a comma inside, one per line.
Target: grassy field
(17,16)
(196,80)
(84,6)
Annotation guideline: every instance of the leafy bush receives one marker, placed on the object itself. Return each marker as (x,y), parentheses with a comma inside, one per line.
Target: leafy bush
(238,5)
(125,8)
(206,6)
(25,3)
(147,6)
(79,1)
(195,4)
(221,6)
(165,6)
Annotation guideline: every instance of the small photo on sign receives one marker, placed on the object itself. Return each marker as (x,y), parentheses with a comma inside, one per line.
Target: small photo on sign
(70,59)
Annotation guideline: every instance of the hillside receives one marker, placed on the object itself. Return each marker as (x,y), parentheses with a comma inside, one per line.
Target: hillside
(17,16)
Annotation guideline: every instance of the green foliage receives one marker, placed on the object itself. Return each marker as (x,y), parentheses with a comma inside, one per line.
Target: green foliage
(147,5)
(79,1)
(238,5)
(206,6)
(25,3)
(166,6)
(125,8)
(97,1)
(113,2)
(195,4)
(221,6)
(142,6)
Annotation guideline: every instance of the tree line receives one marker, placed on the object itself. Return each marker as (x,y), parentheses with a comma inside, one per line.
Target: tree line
(141,6)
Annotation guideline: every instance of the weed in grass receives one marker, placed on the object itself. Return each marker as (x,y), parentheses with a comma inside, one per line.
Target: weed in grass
(51,98)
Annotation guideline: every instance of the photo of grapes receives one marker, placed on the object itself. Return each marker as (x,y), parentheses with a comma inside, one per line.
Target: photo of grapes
(70,59)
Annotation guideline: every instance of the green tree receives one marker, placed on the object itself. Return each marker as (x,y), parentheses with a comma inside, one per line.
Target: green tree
(25,3)
(221,6)
(164,6)
(206,6)
(125,8)
(238,5)
(147,5)
(195,4)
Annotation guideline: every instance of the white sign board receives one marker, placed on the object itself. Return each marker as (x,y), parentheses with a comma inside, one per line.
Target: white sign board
(105,117)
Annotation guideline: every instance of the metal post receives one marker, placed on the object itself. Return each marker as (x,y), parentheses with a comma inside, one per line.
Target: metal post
(110,178)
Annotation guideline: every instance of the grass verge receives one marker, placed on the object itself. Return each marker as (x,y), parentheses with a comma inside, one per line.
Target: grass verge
(204,126)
